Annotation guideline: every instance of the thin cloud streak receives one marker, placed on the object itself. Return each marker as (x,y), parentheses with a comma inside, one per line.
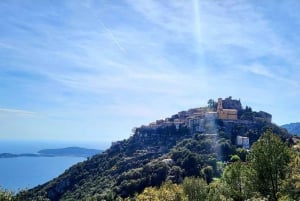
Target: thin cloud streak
(113,37)
(17,112)
(163,56)
(213,40)
(259,69)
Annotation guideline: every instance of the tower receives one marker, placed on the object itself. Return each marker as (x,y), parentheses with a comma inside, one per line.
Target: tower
(226,114)
(220,105)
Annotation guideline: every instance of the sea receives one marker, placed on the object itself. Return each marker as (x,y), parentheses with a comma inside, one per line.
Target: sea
(23,173)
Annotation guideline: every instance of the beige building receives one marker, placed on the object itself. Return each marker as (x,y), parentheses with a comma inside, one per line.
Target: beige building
(226,114)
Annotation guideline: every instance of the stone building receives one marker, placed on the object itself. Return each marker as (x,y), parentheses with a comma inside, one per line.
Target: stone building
(226,114)
(230,103)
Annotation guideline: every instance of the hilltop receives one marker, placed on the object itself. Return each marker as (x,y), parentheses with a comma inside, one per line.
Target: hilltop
(190,143)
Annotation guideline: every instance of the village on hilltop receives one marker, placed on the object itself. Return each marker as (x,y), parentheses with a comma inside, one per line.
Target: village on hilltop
(201,120)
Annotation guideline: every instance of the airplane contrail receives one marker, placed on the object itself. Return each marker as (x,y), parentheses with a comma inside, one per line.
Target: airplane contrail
(113,38)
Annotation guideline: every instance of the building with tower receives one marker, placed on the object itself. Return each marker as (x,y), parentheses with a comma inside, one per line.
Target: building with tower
(226,114)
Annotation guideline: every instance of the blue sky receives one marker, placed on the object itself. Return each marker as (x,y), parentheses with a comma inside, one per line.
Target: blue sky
(91,70)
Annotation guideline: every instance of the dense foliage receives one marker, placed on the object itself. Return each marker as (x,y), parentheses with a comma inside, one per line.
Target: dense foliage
(269,159)
(131,166)
(166,157)
(267,175)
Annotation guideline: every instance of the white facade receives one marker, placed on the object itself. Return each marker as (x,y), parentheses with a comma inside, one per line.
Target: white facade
(243,141)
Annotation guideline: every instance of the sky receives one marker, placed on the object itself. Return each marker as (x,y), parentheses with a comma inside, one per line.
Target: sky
(86,70)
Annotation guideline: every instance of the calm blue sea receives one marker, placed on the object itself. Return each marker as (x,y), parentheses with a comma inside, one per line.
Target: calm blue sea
(27,172)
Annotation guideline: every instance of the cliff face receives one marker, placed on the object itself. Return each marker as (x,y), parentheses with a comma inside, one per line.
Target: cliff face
(170,149)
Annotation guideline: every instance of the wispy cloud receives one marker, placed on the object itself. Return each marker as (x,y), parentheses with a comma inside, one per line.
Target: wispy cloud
(162,56)
(260,70)
(113,37)
(17,112)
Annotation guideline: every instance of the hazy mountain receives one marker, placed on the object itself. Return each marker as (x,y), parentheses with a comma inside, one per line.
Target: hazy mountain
(70,151)
(293,128)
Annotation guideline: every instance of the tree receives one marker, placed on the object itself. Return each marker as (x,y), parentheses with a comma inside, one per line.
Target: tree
(235,158)
(248,109)
(269,159)
(6,195)
(195,189)
(242,153)
(167,192)
(211,104)
(171,192)
(190,165)
(176,174)
(225,150)
(237,181)
(217,192)
(207,172)
(292,183)
(149,194)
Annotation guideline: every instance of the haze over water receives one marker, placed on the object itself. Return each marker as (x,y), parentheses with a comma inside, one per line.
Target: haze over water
(26,172)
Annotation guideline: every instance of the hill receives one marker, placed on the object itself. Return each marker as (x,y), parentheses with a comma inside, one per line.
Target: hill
(190,143)
(293,128)
(70,151)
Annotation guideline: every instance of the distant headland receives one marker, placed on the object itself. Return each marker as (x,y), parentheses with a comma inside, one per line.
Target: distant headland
(69,152)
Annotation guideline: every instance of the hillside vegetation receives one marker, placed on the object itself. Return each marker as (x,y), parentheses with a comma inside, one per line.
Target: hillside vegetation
(270,173)
(165,153)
